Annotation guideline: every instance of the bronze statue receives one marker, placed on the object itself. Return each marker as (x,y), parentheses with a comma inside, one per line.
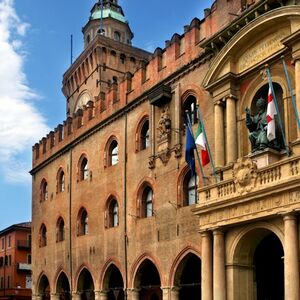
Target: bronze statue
(257,126)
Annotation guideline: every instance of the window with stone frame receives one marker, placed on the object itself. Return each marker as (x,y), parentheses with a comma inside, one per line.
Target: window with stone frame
(44,191)
(43,236)
(83,223)
(60,230)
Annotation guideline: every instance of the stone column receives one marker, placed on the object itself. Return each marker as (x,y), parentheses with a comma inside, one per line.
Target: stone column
(175,293)
(76,296)
(133,294)
(54,296)
(219,277)
(165,293)
(231,129)
(207,266)
(100,295)
(291,258)
(297,88)
(219,135)
(36,297)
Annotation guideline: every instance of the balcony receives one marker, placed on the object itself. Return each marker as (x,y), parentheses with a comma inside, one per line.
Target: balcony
(24,267)
(24,244)
(250,192)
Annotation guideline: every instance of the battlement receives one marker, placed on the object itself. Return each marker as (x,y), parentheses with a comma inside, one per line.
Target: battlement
(179,52)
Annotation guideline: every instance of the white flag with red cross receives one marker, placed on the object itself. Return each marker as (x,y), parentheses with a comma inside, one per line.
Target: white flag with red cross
(271,112)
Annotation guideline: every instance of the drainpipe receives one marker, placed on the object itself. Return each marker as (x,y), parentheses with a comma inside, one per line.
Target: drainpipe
(125,205)
(70,224)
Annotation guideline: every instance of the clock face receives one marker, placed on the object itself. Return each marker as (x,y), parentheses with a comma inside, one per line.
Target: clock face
(82,100)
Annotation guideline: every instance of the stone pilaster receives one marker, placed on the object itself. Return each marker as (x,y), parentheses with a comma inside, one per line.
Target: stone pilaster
(100,295)
(76,296)
(54,296)
(219,277)
(291,258)
(231,129)
(207,266)
(219,135)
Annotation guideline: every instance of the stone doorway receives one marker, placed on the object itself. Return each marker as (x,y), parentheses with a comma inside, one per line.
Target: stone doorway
(269,272)
(188,278)
(148,281)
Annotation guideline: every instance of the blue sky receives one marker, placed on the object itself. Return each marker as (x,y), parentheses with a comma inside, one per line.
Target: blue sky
(34,54)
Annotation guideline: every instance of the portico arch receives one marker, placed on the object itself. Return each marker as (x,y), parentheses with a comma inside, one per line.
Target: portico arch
(44,288)
(257,268)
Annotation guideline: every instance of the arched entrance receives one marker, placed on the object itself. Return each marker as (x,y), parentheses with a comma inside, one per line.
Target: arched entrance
(147,281)
(85,285)
(44,288)
(113,283)
(188,278)
(269,272)
(63,287)
(258,268)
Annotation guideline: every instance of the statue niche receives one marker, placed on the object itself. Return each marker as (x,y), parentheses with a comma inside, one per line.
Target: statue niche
(256,121)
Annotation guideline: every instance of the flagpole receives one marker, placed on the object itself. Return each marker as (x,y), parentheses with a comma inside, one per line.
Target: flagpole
(208,147)
(277,109)
(290,90)
(189,124)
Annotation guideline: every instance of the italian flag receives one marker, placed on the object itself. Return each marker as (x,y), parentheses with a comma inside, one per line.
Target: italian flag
(200,140)
(271,112)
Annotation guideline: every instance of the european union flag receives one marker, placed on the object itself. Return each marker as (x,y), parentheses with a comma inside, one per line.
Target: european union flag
(189,150)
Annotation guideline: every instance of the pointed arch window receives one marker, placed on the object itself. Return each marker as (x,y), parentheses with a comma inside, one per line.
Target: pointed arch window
(147,203)
(43,236)
(113,212)
(190,108)
(113,153)
(44,190)
(145,136)
(60,181)
(83,222)
(83,169)
(190,189)
(60,230)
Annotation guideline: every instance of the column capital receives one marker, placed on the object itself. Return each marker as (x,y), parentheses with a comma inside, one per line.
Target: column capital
(219,102)
(205,233)
(231,97)
(218,231)
(289,216)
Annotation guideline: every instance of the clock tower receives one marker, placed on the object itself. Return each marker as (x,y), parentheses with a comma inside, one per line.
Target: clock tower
(107,56)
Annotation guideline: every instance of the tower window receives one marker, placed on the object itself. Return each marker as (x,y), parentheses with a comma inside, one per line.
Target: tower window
(83,222)
(44,191)
(88,39)
(117,36)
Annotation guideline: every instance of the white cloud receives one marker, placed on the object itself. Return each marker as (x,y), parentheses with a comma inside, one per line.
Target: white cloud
(21,125)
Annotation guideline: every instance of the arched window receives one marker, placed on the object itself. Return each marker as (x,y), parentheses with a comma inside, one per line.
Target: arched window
(113,153)
(83,222)
(43,236)
(60,230)
(122,58)
(144,136)
(88,39)
(147,203)
(117,36)
(190,189)
(83,169)
(190,108)
(113,210)
(44,190)
(60,181)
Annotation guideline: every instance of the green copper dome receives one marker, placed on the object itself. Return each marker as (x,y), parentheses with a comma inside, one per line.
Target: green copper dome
(107,12)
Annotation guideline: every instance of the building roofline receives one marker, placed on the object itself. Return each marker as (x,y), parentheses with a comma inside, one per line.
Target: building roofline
(14,227)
